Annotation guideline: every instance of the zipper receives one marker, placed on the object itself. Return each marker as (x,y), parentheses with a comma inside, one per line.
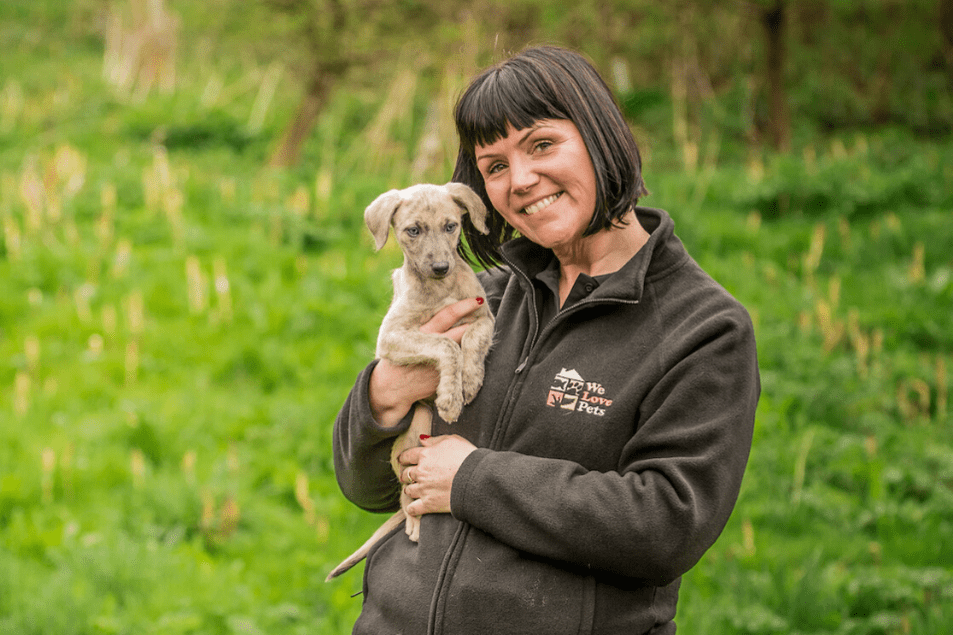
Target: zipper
(534,312)
(438,602)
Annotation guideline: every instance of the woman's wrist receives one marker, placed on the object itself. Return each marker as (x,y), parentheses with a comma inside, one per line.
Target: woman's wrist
(393,390)
(386,404)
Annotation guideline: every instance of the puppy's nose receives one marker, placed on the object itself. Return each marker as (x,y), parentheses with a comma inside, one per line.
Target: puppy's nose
(440,269)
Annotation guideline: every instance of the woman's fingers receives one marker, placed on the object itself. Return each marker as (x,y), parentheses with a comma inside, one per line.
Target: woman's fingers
(443,322)
(430,470)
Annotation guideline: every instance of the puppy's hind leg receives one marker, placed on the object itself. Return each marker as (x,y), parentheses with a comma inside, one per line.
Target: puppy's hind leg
(422,423)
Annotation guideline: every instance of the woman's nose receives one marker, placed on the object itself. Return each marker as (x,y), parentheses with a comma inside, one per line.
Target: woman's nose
(522,176)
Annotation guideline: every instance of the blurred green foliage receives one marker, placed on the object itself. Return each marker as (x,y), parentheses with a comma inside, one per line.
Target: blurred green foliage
(179,324)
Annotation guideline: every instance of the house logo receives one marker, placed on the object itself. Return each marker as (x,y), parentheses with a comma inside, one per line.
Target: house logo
(570,391)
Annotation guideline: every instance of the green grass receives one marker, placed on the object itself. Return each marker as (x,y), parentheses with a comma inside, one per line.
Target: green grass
(179,327)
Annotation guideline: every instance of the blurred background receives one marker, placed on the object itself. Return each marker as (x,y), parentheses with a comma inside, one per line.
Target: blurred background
(187,290)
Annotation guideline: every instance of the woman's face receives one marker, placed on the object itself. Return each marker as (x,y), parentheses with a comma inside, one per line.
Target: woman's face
(542,181)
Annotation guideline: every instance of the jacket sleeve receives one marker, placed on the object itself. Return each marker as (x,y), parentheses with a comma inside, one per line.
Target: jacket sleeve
(362,451)
(677,481)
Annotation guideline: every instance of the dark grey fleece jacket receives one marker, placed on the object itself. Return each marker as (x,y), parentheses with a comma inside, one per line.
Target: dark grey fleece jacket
(612,443)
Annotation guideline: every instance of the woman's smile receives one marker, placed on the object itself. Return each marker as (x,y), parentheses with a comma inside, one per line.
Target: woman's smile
(546,202)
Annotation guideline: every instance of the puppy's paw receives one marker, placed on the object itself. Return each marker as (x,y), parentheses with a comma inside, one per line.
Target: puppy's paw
(472,382)
(412,527)
(449,407)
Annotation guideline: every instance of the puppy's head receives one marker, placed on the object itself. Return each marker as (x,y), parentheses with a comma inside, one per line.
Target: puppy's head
(426,221)
(380,214)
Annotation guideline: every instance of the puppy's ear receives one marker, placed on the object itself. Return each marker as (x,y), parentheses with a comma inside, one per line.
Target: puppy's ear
(378,215)
(470,201)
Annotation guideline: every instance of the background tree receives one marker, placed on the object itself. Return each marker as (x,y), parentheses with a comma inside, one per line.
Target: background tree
(774,20)
(323,27)
(339,36)
(945,20)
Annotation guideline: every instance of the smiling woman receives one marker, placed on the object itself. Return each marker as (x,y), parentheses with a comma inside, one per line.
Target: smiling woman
(605,450)
(547,84)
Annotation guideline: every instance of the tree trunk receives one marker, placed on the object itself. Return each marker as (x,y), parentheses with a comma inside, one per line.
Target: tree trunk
(774,21)
(288,152)
(946,32)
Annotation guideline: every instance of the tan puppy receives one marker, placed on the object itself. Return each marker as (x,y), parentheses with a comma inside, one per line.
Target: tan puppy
(426,221)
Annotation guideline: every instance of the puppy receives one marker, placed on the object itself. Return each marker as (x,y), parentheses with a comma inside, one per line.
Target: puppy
(426,221)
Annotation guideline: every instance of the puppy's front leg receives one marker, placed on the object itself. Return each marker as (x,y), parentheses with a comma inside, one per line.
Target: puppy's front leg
(475,345)
(409,347)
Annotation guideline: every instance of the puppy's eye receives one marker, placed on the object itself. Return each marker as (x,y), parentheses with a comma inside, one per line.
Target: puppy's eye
(450,228)
(413,232)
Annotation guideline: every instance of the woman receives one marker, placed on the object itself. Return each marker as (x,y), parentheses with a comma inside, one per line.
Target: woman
(605,451)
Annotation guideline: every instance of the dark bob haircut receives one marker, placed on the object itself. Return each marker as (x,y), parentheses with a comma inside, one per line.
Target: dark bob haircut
(546,83)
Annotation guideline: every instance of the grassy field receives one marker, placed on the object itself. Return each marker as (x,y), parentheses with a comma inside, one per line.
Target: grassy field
(179,325)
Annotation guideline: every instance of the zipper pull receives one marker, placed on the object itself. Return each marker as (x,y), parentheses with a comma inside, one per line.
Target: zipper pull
(519,369)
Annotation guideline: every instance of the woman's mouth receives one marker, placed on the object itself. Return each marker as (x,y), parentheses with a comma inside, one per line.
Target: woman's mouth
(539,205)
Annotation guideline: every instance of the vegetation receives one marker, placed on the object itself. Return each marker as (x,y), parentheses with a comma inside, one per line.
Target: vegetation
(179,322)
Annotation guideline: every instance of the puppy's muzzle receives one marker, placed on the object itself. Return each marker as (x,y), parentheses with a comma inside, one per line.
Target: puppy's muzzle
(440,269)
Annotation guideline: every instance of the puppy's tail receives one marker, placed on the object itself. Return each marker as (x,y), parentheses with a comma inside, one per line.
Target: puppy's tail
(389,525)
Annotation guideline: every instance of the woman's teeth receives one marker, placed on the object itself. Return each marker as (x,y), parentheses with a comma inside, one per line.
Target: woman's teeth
(546,202)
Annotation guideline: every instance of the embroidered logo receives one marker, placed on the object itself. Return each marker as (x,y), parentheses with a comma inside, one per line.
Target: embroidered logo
(571,392)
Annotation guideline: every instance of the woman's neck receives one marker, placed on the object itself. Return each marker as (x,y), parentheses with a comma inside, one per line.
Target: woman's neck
(600,254)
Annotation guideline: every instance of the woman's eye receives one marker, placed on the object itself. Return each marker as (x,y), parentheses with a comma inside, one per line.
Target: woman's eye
(543,145)
(450,228)
(493,169)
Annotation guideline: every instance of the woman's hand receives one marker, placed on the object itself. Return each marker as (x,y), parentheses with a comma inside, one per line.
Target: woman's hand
(428,472)
(394,389)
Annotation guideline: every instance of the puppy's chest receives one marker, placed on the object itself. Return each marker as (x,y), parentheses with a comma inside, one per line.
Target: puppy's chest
(424,300)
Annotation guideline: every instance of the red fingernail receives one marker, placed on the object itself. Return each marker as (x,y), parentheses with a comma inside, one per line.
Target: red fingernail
(424,437)
(480,300)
